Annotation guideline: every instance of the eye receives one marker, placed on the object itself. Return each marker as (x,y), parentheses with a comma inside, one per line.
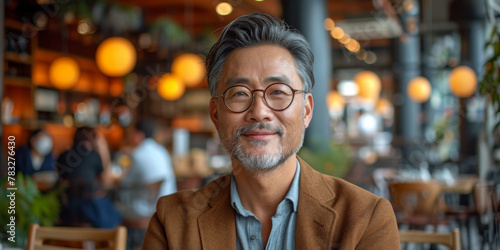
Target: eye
(238,94)
(277,92)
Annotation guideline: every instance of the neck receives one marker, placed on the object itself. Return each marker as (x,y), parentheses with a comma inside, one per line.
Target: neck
(261,193)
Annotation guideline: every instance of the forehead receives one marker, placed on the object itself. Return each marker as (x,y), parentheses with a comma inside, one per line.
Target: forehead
(258,63)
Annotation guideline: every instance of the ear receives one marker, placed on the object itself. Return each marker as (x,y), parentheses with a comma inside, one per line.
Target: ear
(308,109)
(213,111)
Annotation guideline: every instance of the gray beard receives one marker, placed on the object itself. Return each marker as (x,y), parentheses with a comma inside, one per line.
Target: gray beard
(259,163)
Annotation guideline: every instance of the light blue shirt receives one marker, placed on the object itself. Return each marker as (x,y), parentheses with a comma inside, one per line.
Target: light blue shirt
(249,228)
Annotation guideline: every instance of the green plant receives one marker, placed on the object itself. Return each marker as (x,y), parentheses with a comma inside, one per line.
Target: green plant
(31,206)
(335,161)
(489,85)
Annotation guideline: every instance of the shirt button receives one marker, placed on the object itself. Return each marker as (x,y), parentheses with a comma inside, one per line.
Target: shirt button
(252,237)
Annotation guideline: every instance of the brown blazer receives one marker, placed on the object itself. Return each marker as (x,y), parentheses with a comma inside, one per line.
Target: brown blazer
(332,214)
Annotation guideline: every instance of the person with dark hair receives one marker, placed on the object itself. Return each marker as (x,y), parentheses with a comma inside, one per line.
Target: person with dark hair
(81,169)
(260,78)
(37,157)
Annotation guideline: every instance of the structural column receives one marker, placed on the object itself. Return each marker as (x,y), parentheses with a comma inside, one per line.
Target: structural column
(408,117)
(308,17)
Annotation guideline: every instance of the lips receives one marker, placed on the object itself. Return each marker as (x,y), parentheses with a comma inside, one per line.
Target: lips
(259,131)
(259,135)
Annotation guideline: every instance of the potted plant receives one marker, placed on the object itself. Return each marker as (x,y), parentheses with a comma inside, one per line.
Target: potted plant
(23,206)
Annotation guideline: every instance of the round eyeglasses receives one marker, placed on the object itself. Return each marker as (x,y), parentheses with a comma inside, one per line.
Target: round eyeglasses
(277,96)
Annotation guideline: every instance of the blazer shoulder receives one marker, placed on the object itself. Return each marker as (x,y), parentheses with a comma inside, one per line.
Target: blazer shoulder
(345,190)
(193,202)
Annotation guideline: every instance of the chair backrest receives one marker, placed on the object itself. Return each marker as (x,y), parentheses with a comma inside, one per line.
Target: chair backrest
(449,239)
(43,237)
(415,198)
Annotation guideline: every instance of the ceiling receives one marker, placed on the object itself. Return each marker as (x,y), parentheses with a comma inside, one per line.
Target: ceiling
(196,15)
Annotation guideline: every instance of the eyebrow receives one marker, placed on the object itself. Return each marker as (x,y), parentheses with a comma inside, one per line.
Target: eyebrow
(269,80)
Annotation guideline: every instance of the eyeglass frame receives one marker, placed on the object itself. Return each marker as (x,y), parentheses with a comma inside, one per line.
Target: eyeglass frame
(295,91)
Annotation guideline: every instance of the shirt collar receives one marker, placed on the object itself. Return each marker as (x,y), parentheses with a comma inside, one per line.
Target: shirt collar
(292,195)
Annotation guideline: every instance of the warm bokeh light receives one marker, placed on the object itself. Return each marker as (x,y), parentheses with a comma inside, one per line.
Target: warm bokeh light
(345,39)
(64,72)
(361,54)
(224,9)
(170,87)
(370,58)
(369,85)
(83,27)
(337,33)
(353,46)
(329,24)
(419,89)
(116,56)
(190,68)
(463,81)
(384,108)
(335,101)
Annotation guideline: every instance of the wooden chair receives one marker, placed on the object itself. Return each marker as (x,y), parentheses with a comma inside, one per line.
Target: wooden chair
(49,237)
(417,204)
(450,239)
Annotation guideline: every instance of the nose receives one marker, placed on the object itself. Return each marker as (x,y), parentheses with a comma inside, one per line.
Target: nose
(258,110)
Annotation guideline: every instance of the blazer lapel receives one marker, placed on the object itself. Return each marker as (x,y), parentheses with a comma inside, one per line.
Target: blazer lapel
(217,225)
(315,219)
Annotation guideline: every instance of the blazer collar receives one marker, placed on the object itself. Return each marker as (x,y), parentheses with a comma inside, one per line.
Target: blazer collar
(315,217)
(217,225)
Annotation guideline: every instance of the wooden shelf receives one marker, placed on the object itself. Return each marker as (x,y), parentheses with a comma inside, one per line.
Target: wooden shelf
(19,58)
(18,81)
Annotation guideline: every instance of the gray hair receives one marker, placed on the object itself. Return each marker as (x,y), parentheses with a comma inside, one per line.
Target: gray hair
(259,29)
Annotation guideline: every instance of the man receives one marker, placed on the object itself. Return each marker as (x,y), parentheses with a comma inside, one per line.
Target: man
(260,77)
(151,166)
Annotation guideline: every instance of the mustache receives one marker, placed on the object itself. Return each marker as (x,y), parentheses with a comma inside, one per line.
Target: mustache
(259,126)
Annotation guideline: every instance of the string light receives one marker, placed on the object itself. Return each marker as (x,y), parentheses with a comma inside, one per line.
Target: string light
(329,24)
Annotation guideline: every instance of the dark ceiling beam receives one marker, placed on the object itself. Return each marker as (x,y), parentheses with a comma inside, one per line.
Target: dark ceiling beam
(349,9)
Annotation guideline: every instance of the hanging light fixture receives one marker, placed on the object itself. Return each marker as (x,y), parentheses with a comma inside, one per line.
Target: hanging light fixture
(116,56)
(64,72)
(170,87)
(368,84)
(189,68)
(463,81)
(419,89)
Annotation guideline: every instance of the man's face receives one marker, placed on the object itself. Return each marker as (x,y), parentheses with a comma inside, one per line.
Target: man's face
(261,138)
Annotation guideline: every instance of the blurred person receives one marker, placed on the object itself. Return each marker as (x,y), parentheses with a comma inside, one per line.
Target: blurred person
(81,168)
(151,163)
(150,176)
(37,156)
(260,79)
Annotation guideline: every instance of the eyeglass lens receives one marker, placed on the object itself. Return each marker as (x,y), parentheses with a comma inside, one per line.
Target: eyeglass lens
(277,96)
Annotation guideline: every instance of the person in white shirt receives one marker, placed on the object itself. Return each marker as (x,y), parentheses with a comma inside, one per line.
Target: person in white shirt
(151,163)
